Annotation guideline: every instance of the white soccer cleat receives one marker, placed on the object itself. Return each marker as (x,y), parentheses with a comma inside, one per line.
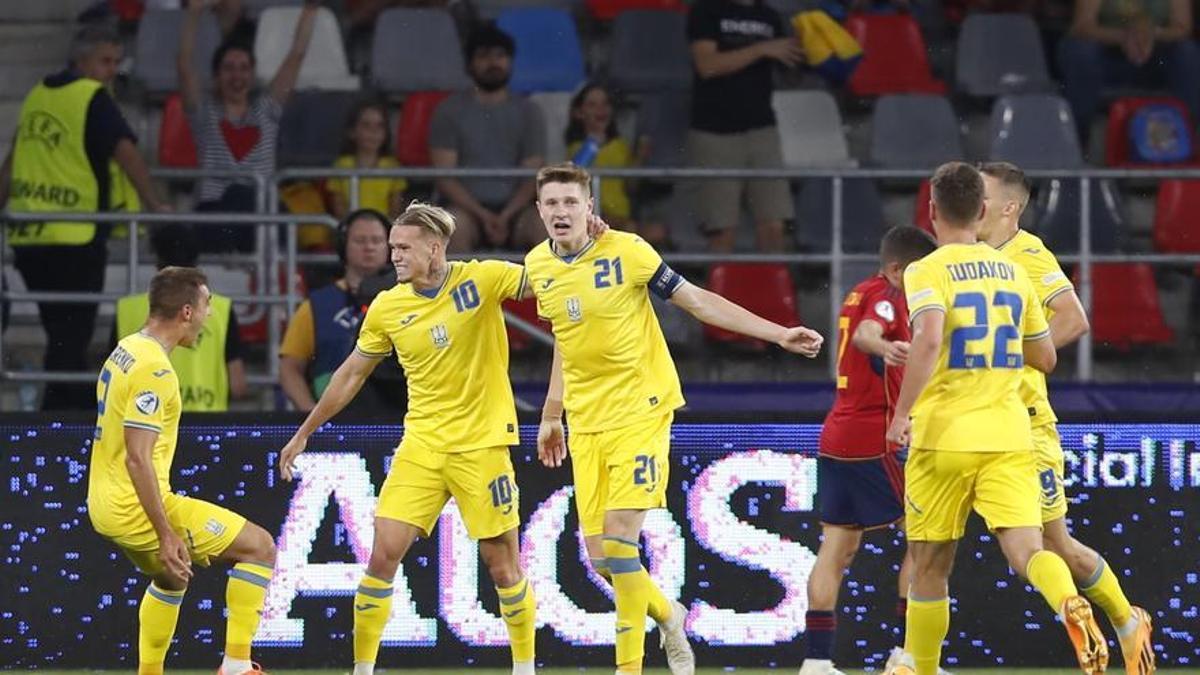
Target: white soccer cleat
(524,668)
(819,667)
(672,637)
(896,658)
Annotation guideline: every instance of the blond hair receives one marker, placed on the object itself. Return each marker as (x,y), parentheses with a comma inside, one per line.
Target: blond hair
(434,219)
(565,172)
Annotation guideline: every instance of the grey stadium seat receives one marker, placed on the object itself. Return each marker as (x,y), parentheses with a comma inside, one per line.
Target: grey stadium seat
(664,118)
(914,131)
(810,129)
(1000,54)
(862,215)
(157,49)
(310,133)
(1058,205)
(649,52)
(1034,131)
(417,50)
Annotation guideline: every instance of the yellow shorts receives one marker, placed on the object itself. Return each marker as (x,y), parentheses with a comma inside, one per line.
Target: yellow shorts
(941,488)
(625,468)
(206,528)
(1048,453)
(481,482)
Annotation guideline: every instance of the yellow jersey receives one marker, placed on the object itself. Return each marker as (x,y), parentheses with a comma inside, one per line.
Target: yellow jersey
(972,403)
(616,366)
(453,347)
(1049,281)
(137,388)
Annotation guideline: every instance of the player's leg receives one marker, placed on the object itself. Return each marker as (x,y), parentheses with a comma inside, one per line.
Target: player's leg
(252,553)
(632,586)
(485,489)
(834,555)
(928,615)
(158,612)
(409,504)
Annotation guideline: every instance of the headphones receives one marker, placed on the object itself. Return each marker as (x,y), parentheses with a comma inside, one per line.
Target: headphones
(342,233)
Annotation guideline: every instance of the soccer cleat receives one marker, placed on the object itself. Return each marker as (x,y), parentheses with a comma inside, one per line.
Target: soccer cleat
(524,668)
(672,637)
(1090,647)
(255,669)
(819,667)
(899,663)
(897,654)
(1138,649)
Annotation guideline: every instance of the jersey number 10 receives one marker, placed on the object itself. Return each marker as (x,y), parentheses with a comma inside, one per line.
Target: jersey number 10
(1002,334)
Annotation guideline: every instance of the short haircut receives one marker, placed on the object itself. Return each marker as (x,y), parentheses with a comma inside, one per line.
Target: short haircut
(174,287)
(1007,174)
(565,172)
(487,36)
(434,219)
(230,45)
(87,39)
(904,244)
(957,190)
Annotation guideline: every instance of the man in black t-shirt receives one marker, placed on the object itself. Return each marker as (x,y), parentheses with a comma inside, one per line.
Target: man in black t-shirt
(733,45)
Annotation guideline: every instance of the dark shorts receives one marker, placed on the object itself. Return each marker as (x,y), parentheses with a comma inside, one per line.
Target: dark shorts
(862,493)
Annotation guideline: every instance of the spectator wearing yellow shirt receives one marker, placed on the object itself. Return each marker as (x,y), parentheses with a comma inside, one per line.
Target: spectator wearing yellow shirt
(367,145)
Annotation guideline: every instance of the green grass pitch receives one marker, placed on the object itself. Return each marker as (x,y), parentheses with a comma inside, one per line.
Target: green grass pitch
(650,671)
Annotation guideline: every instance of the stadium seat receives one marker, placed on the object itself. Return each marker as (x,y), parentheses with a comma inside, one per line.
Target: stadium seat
(1116,134)
(254,8)
(1000,54)
(324,66)
(305,137)
(607,10)
(416,50)
(649,52)
(894,57)
(1177,217)
(412,129)
(921,217)
(765,289)
(1057,213)
(549,56)
(1034,131)
(157,48)
(663,118)
(863,224)
(556,111)
(526,309)
(914,131)
(490,9)
(176,146)
(1125,306)
(810,129)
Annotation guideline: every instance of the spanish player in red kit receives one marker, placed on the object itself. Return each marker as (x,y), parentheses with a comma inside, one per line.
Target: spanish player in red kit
(860,481)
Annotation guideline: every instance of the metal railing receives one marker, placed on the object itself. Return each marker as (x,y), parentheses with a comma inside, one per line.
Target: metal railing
(267,191)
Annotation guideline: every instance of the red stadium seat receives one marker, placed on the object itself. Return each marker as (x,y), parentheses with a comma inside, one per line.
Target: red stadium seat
(526,309)
(1116,134)
(765,289)
(1177,217)
(176,148)
(1125,306)
(412,131)
(921,209)
(894,57)
(607,10)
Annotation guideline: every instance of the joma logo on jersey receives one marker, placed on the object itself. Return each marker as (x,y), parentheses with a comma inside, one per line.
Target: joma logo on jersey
(574,309)
(441,336)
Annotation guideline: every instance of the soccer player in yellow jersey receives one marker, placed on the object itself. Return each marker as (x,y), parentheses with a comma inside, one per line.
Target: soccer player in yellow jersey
(129,492)
(1006,192)
(444,322)
(976,322)
(616,379)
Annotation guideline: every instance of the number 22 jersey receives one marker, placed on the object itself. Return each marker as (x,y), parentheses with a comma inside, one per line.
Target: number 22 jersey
(972,402)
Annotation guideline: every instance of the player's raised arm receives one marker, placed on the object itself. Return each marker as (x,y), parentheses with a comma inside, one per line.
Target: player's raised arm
(343,386)
(139,462)
(717,311)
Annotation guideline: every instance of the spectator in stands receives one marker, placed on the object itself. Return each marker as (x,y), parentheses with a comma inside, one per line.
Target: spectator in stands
(72,151)
(1128,42)
(211,372)
(236,127)
(367,145)
(734,44)
(489,127)
(323,330)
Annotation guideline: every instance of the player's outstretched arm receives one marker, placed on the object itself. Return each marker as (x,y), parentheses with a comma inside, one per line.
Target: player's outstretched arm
(1069,321)
(717,311)
(1040,353)
(139,462)
(552,447)
(922,360)
(343,386)
(868,338)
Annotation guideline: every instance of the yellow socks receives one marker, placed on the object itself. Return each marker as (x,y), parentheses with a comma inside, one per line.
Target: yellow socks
(659,608)
(157,617)
(1104,590)
(1050,575)
(635,595)
(245,593)
(372,607)
(925,626)
(518,607)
